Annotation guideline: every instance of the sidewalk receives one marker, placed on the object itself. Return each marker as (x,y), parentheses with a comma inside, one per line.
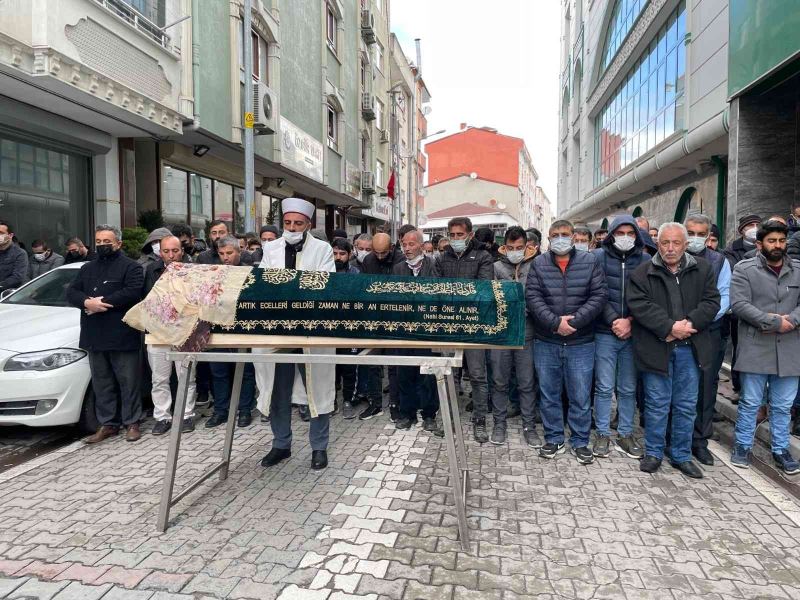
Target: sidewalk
(379,523)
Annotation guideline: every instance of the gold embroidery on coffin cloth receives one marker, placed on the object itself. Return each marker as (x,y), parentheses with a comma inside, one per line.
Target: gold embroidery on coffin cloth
(403,287)
(409,326)
(309,280)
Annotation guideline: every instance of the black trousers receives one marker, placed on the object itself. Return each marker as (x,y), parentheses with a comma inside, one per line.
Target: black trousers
(347,375)
(417,391)
(707,394)
(115,380)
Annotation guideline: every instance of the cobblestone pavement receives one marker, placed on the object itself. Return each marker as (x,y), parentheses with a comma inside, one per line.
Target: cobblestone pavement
(379,523)
(19,444)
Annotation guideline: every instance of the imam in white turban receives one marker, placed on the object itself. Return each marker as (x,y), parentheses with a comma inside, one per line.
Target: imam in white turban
(298,205)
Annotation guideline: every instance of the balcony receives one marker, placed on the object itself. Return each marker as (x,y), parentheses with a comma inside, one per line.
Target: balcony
(95,59)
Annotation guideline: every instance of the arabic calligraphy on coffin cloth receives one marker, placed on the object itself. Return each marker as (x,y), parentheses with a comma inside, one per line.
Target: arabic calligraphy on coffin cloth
(311,303)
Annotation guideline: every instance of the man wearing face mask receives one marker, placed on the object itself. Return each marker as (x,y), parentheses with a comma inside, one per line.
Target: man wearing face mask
(735,252)
(582,238)
(515,261)
(362,248)
(104,290)
(621,252)
(416,391)
(76,251)
(44,259)
(13,260)
(565,292)
(463,259)
(765,296)
(297,249)
(699,228)
(151,249)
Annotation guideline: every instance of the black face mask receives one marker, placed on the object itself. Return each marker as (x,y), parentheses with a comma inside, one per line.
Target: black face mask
(105,251)
(341,265)
(73,255)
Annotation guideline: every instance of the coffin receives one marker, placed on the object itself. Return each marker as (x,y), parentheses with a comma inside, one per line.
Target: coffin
(285,302)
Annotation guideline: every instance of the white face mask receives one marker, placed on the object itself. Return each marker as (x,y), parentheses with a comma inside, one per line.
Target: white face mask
(4,238)
(624,243)
(292,237)
(412,262)
(561,245)
(696,244)
(40,256)
(515,256)
(582,246)
(362,254)
(750,235)
(156,246)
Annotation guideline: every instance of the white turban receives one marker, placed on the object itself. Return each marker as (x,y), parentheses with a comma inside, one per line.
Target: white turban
(298,205)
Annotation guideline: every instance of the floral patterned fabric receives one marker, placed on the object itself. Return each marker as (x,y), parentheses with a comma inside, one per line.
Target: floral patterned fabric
(186,300)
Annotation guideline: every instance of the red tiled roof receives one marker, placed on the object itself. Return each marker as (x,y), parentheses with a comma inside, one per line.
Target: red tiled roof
(466,209)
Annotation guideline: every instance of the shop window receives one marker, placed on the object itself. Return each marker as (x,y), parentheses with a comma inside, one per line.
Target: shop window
(223,201)
(173,196)
(200,203)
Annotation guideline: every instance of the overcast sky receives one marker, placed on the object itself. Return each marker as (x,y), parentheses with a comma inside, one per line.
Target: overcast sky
(491,64)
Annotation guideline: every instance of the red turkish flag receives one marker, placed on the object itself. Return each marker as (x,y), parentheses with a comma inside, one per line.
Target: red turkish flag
(390,186)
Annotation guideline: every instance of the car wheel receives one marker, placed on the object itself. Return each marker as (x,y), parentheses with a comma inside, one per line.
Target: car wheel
(88,422)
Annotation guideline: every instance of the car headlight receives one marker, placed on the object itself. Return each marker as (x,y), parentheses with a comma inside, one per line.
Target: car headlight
(45,360)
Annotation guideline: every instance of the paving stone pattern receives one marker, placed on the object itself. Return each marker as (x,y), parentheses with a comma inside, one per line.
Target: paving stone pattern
(380,524)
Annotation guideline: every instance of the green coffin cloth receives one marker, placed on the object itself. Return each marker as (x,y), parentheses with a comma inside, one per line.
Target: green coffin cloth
(313,303)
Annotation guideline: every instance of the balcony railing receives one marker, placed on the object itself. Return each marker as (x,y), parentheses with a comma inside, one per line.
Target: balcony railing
(137,20)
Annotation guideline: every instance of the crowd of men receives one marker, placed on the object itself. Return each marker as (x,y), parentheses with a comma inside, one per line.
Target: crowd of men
(623,318)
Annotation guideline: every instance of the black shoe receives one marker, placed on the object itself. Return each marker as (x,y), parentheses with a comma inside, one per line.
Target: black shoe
(187,425)
(305,415)
(394,413)
(161,427)
(649,464)
(265,418)
(216,420)
(245,419)
(275,456)
(373,410)
(319,459)
(688,468)
(583,455)
(404,424)
(550,450)
(704,456)
(479,431)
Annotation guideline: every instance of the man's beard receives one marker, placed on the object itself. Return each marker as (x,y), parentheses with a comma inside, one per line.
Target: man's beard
(774,255)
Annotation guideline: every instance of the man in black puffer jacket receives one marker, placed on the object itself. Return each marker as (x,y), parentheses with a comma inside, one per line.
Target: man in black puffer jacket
(565,292)
(621,252)
(104,290)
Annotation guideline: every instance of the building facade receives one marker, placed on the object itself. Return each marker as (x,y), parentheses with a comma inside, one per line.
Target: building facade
(644,114)
(496,219)
(480,165)
(143,101)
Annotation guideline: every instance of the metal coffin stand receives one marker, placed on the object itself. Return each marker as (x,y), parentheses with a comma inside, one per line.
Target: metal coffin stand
(439,366)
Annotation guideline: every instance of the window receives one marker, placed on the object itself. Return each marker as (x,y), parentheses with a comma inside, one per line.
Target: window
(174,203)
(379,115)
(223,201)
(623,17)
(647,107)
(200,203)
(333,127)
(364,154)
(379,173)
(378,50)
(331,21)
(260,55)
(365,79)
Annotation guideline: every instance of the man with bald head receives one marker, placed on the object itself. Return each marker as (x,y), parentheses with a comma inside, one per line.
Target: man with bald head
(170,251)
(381,261)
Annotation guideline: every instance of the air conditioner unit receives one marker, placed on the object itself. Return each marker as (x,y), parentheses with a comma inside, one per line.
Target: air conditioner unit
(368,106)
(368,26)
(265,109)
(368,182)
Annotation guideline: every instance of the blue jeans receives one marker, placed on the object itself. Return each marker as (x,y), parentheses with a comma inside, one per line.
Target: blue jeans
(614,368)
(782,392)
(559,365)
(504,364)
(222,386)
(678,391)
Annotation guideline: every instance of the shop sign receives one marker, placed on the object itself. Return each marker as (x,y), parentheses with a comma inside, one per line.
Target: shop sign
(352,180)
(381,209)
(301,151)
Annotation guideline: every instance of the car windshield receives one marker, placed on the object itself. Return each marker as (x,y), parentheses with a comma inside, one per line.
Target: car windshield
(49,290)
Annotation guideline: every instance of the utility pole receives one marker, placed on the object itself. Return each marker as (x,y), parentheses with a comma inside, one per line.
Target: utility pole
(249,166)
(412,167)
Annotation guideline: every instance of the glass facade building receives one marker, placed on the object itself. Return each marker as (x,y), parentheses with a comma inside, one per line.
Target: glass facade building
(647,107)
(622,19)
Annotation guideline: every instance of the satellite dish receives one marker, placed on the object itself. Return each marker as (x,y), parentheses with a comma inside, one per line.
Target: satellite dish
(473,175)
(501,206)
(422,219)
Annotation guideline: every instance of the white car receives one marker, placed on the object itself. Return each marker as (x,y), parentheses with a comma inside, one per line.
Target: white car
(44,376)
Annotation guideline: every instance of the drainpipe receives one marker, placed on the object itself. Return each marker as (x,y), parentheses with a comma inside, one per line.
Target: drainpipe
(722,171)
(195,124)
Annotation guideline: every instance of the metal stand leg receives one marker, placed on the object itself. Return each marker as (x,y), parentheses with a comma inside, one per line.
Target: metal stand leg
(452,458)
(233,411)
(174,449)
(459,431)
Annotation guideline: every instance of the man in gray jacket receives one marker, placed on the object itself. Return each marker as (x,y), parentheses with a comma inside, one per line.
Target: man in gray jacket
(44,259)
(514,263)
(13,260)
(765,297)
